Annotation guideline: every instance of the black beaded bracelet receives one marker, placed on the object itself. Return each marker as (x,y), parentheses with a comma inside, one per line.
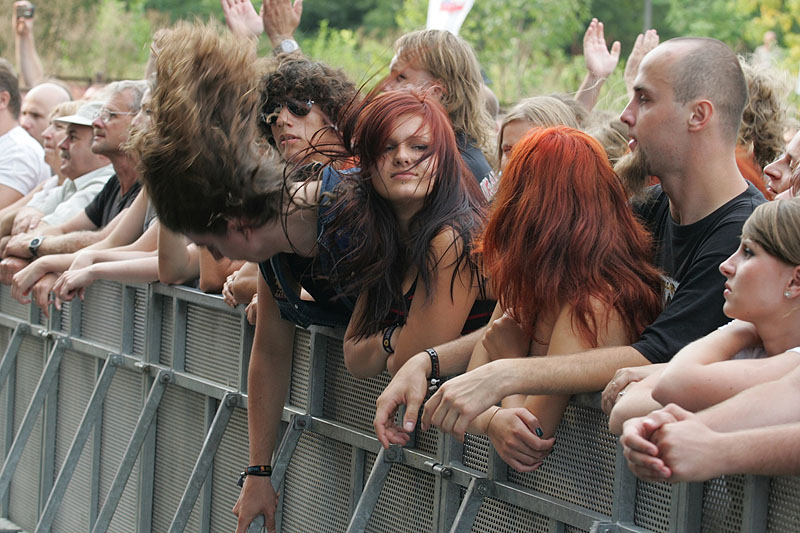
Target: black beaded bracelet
(387,337)
(434,363)
(257,470)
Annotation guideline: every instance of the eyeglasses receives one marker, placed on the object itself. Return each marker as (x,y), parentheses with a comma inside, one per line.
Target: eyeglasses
(106,115)
(298,108)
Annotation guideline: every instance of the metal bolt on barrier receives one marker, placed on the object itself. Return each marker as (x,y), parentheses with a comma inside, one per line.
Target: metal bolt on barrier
(232,399)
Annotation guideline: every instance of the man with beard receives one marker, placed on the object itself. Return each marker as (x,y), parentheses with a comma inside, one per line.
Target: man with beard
(683,120)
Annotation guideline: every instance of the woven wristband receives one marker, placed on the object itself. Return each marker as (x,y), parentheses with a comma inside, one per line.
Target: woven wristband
(257,470)
(434,363)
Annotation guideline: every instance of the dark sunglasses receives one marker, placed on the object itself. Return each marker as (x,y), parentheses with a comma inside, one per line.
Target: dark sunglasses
(298,108)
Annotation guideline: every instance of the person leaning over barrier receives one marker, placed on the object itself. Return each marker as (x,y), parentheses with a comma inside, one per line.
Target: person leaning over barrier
(236,202)
(683,120)
(762,295)
(408,218)
(584,281)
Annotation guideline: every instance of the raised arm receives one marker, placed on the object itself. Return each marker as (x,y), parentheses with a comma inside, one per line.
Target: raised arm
(30,66)
(281,19)
(600,63)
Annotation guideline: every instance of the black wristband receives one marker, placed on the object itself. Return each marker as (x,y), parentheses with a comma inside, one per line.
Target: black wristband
(387,337)
(434,363)
(257,470)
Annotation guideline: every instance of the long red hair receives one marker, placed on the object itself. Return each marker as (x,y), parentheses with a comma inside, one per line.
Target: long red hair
(561,232)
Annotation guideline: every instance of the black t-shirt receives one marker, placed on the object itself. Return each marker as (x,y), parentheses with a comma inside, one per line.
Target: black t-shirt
(690,256)
(109,203)
(477,164)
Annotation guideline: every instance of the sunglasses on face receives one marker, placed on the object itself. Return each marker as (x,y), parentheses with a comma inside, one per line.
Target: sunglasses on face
(298,108)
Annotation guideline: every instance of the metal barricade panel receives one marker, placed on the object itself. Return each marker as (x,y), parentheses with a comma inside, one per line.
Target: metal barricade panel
(23,506)
(476,452)
(784,504)
(406,501)
(317,486)
(101,314)
(722,503)
(5,335)
(652,509)
(10,306)
(75,384)
(213,344)
(180,432)
(580,469)
(66,317)
(301,369)
(120,413)
(167,331)
(139,320)
(232,456)
(349,400)
(497,516)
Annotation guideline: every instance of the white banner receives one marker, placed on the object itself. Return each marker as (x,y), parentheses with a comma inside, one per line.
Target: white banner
(448,14)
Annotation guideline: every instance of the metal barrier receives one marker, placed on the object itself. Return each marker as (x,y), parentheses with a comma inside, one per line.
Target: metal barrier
(127,413)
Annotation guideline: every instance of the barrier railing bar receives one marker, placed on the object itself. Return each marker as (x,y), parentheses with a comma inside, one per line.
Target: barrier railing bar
(194,296)
(686,507)
(128,312)
(129,458)
(478,489)
(755,504)
(29,420)
(446,495)
(624,500)
(291,437)
(179,335)
(93,411)
(203,464)
(256,525)
(372,488)
(358,457)
(10,355)
(47,470)
(560,510)
(555,526)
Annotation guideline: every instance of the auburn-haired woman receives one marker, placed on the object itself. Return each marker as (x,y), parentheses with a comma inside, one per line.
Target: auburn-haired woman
(405,224)
(570,266)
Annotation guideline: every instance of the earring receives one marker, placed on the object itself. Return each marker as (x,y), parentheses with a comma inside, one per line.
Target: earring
(787,294)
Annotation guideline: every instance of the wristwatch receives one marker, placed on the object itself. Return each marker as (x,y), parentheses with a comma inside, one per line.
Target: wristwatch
(33,247)
(287,46)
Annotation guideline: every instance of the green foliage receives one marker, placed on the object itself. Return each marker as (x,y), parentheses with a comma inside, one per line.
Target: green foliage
(370,14)
(364,58)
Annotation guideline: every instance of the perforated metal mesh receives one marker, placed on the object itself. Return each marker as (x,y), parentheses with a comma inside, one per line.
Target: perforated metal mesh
(213,344)
(784,504)
(120,413)
(722,503)
(230,459)
(476,452)
(427,441)
(23,506)
(101,318)
(66,317)
(180,432)
(652,505)
(580,468)
(316,488)
(139,320)
(74,391)
(497,516)
(405,503)
(349,400)
(301,368)
(573,529)
(9,305)
(167,332)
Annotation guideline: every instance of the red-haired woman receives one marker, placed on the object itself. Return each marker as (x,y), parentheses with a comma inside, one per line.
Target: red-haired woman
(406,222)
(570,266)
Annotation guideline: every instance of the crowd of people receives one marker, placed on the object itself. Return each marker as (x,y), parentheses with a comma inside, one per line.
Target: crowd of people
(493,263)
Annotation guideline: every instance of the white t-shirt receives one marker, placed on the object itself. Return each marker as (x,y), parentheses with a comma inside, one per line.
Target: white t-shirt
(22,165)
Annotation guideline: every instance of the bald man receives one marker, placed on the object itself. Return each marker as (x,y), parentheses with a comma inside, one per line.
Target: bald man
(37,105)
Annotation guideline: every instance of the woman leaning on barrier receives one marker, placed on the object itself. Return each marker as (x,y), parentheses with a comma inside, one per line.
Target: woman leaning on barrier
(762,296)
(571,269)
(205,151)
(403,230)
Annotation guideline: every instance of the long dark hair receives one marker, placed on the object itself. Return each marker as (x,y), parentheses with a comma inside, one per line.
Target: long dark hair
(376,257)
